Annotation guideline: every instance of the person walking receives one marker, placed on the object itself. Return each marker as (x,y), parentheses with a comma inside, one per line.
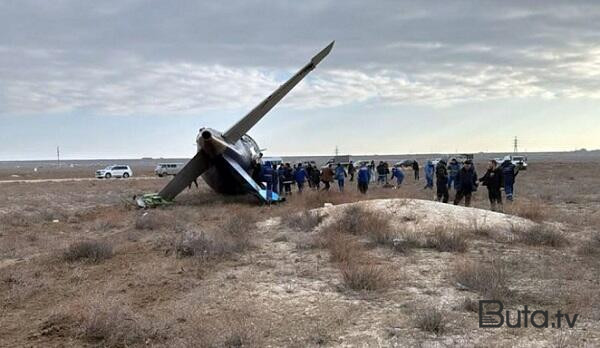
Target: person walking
(453,168)
(281,177)
(300,177)
(398,174)
(467,183)
(492,179)
(429,170)
(364,177)
(381,173)
(288,178)
(509,174)
(372,171)
(340,175)
(275,175)
(315,178)
(415,167)
(351,171)
(441,181)
(309,169)
(327,177)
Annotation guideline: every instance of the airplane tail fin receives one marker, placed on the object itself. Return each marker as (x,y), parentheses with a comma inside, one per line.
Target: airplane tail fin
(246,123)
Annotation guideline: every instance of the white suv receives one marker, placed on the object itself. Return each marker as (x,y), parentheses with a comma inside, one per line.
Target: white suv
(118,171)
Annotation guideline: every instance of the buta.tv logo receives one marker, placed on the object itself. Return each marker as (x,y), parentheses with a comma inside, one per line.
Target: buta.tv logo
(492,315)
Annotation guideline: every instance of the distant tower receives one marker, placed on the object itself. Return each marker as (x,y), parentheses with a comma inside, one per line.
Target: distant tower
(337,151)
(58,156)
(516,145)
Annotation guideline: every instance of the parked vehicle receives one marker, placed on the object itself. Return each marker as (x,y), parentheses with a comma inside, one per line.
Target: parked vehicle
(164,169)
(519,161)
(274,160)
(117,171)
(405,163)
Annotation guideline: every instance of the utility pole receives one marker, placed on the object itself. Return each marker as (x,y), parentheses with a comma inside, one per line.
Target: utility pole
(337,151)
(58,156)
(516,145)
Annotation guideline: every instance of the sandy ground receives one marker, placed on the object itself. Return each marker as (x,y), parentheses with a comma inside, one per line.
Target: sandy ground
(279,291)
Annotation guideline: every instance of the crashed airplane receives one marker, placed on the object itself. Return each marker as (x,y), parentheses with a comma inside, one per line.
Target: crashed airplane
(226,160)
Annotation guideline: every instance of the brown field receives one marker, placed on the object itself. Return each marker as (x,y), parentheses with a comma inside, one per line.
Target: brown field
(78,267)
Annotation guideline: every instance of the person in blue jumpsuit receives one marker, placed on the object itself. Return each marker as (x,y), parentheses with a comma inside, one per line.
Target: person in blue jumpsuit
(340,176)
(509,173)
(429,169)
(398,174)
(453,168)
(300,177)
(364,177)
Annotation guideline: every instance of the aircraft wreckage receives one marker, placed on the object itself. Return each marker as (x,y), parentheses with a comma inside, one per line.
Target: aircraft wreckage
(226,160)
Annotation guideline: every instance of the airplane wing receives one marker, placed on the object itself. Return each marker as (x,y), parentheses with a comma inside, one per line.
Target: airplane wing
(252,185)
(243,126)
(193,169)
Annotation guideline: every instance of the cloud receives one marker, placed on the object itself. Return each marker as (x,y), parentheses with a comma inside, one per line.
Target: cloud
(136,57)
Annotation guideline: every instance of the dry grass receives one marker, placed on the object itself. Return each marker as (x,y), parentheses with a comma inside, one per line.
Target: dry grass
(541,235)
(90,251)
(431,320)
(367,276)
(344,249)
(590,247)
(231,238)
(305,221)
(533,210)
(149,220)
(444,240)
(489,280)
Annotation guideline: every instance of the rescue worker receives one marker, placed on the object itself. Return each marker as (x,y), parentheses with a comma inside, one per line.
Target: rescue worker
(309,169)
(316,178)
(364,177)
(327,177)
(281,177)
(381,177)
(429,169)
(300,177)
(257,172)
(275,179)
(492,179)
(372,171)
(415,167)
(398,174)
(467,183)
(288,177)
(351,171)
(509,173)
(441,181)
(453,168)
(340,176)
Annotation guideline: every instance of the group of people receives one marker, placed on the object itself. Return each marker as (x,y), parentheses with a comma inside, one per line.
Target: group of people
(448,175)
(463,178)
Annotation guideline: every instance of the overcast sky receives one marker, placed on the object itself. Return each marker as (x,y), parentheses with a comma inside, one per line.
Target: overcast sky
(129,78)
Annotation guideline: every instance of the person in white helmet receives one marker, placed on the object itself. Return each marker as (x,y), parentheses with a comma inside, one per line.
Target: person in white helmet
(509,173)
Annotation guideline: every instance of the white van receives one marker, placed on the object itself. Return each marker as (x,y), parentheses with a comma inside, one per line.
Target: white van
(163,169)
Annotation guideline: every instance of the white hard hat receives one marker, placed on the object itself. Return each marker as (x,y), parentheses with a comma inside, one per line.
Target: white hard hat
(507,158)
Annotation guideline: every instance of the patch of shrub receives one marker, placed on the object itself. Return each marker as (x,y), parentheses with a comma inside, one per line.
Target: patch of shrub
(490,280)
(534,210)
(367,276)
(148,221)
(406,242)
(113,325)
(90,251)
(590,247)
(431,320)
(449,241)
(343,249)
(304,221)
(541,235)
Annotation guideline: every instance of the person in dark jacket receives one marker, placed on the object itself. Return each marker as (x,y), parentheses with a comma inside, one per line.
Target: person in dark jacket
(315,177)
(288,178)
(309,169)
(281,177)
(453,168)
(441,181)
(493,181)
(275,179)
(300,177)
(351,170)
(467,183)
(327,177)
(381,177)
(415,167)
(257,173)
(509,173)
(364,177)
